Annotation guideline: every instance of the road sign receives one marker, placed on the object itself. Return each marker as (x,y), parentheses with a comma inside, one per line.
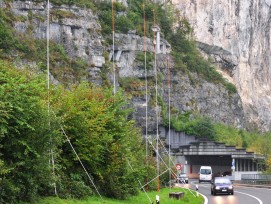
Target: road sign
(179,167)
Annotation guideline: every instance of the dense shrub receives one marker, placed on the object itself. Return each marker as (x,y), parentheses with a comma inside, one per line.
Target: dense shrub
(25,140)
(95,122)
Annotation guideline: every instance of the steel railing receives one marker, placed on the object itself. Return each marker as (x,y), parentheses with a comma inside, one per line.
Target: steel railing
(256,178)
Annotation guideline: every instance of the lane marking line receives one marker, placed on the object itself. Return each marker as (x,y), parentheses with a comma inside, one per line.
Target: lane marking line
(205,186)
(261,202)
(205,198)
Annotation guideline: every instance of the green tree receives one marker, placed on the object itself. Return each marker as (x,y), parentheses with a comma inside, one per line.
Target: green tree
(96,123)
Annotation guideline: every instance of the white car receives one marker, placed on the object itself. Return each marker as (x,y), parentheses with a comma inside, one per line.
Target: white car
(205,174)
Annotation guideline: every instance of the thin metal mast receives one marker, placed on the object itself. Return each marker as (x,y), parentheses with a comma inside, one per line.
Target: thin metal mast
(169,139)
(146,92)
(156,105)
(113,51)
(48,93)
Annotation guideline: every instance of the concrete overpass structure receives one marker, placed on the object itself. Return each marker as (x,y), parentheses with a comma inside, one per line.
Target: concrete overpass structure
(192,152)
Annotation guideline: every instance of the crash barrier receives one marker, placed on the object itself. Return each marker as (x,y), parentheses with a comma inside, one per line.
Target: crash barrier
(176,195)
(256,179)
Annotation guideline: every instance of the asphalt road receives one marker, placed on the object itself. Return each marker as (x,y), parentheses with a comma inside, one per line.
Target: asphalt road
(242,195)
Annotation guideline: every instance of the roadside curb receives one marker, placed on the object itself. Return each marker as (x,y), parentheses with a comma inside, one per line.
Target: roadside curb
(196,192)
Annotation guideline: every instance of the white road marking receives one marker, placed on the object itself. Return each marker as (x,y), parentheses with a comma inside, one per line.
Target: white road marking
(205,198)
(261,202)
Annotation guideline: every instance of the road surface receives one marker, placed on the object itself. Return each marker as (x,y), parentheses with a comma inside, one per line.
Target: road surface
(242,195)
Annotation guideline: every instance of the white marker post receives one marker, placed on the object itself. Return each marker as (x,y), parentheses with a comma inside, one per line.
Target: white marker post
(157,199)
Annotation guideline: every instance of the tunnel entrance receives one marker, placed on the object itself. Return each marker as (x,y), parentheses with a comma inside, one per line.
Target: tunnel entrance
(192,152)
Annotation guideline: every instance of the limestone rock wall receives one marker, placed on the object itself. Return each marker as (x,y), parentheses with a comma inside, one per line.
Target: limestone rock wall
(77,29)
(237,35)
(79,32)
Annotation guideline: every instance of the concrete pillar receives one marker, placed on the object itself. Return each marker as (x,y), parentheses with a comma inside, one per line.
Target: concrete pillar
(158,40)
(237,163)
(246,164)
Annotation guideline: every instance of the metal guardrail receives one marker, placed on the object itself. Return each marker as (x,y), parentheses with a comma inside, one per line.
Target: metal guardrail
(256,179)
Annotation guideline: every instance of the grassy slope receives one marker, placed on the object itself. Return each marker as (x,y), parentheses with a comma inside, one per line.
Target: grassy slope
(140,199)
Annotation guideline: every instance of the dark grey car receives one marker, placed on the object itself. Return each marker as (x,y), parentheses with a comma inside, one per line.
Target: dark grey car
(221,185)
(182,178)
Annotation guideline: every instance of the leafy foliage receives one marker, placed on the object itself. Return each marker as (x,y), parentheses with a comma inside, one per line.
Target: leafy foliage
(80,3)
(133,17)
(24,135)
(199,126)
(96,123)
(8,40)
(140,57)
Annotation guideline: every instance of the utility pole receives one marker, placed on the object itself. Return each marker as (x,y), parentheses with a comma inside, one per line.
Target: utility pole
(155,30)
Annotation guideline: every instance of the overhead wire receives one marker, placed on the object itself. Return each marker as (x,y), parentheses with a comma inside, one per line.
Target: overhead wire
(167,152)
(81,162)
(160,157)
(140,182)
(168,169)
(155,178)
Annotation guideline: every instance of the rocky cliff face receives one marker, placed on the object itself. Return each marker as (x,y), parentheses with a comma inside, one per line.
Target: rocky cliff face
(75,28)
(237,35)
(79,31)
